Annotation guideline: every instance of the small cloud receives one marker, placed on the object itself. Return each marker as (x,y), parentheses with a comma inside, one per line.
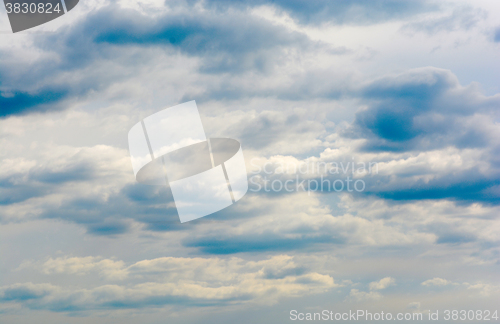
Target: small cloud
(436,282)
(363,295)
(382,284)
(80,266)
(483,289)
(414,305)
(346,283)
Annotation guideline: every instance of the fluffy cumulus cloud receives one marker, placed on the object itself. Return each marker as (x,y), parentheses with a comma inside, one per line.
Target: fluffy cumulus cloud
(395,101)
(382,283)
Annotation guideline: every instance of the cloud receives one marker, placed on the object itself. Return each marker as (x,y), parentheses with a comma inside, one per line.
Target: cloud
(447,173)
(74,265)
(363,295)
(62,166)
(425,109)
(79,59)
(480,288)
(382,283)
(425,112)
(436,282)
(169,281)
(356,12)
(461,18)
(94,187)
(269,130)
(25,292)
(22,179)
(226,42)
(288,223)
(484,289)
(497,35)
(19,101)
(286,80)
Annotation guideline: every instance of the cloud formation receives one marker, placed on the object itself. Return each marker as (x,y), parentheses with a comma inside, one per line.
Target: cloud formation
(409,86)
(341,12)
(169,281)
(436,282)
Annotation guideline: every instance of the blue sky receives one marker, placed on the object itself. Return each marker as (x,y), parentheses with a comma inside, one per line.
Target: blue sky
(412,86)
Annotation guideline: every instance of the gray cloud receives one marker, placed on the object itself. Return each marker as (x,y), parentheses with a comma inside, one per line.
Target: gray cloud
(148,205)
(225,43)
(37,181)
(425,109)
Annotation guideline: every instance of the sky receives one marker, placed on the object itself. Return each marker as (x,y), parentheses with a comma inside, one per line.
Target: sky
(409,86)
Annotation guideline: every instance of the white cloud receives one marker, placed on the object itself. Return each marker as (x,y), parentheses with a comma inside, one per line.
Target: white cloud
(73,265)
(164,280)
(382,283)
(363,295)
(484,289)
(436,282)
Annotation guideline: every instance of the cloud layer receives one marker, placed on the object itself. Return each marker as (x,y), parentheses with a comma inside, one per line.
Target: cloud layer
(408,88)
